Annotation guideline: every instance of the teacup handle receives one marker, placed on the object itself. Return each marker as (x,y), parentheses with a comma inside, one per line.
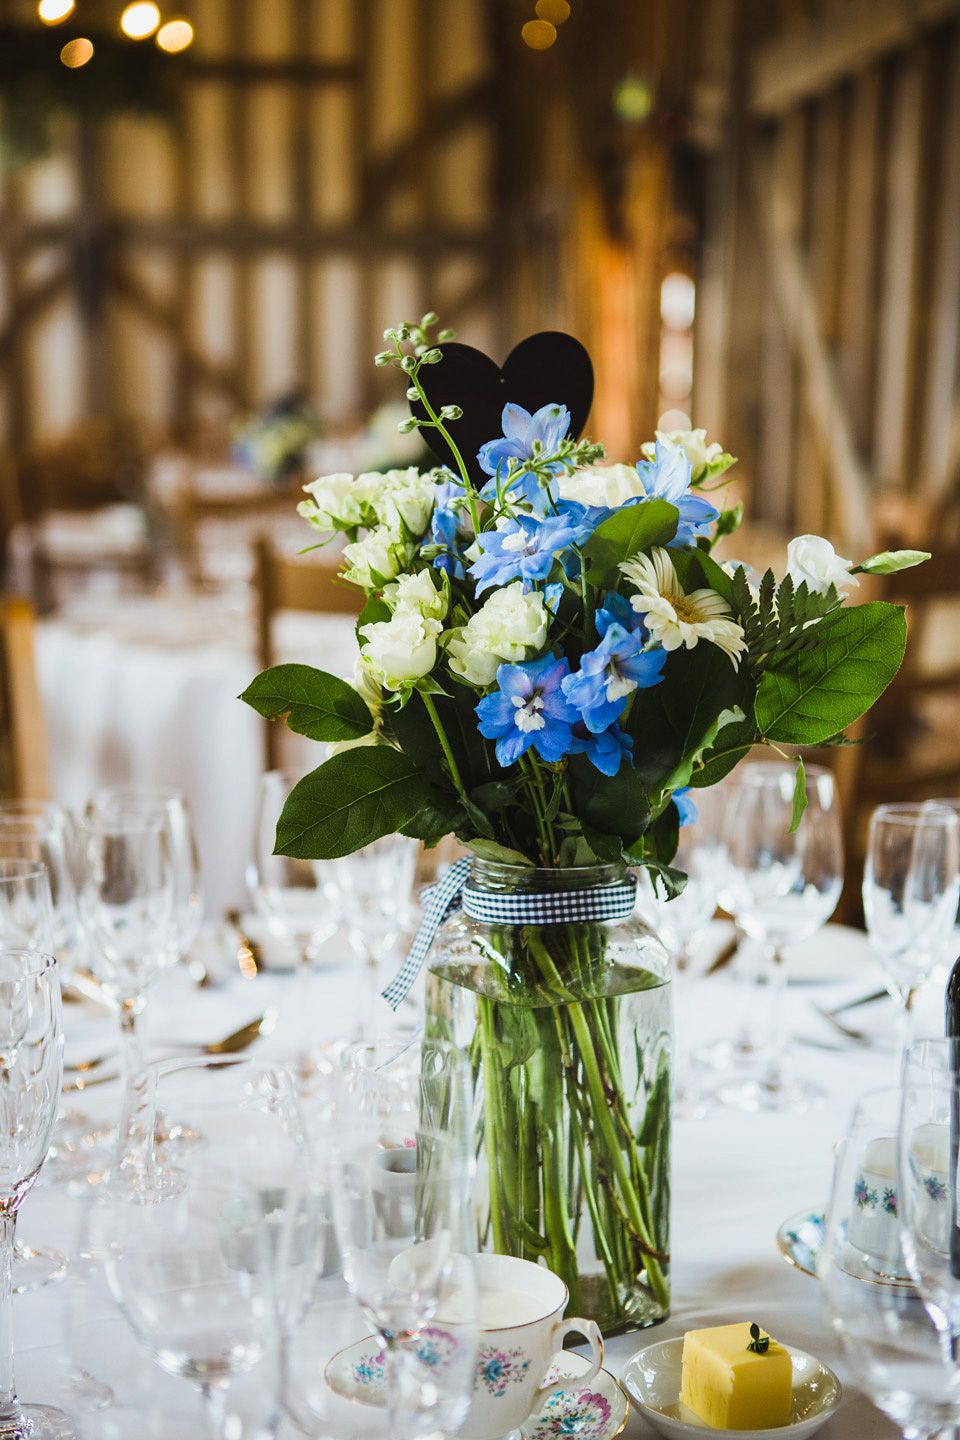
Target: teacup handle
(591,1333)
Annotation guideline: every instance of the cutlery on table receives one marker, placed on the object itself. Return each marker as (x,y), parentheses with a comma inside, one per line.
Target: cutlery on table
(231,1044)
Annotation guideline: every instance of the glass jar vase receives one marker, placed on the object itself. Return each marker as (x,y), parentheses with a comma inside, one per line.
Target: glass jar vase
(567,1022)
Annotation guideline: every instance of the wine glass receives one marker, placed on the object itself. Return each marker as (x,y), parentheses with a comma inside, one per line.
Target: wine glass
(402,1188)
(126,900)
(298,899)
(377,884)
(31,1073)
(893,1350)
(211,1243)
(911,886)
(171,808)
(786,884)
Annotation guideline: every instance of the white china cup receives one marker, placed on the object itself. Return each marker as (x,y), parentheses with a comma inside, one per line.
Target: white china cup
(521,1329)
(874,1224)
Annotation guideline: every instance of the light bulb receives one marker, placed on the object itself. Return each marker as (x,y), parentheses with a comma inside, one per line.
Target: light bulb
(175,35)
(140,19)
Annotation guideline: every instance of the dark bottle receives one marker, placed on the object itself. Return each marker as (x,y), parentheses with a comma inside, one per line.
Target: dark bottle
(952,1017)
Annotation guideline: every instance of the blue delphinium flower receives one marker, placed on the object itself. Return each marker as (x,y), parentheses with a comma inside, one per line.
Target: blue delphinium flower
(617,610)
(667,477)
(528,710)
(687,812)
(607,675)
(606,751)
(445,525)
(523,548)
(522,432)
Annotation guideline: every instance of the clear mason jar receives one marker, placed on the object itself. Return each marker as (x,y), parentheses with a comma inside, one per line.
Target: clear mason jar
(568,1028)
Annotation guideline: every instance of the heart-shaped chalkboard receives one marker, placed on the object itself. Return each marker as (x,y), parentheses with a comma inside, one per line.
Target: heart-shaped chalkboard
(545,369)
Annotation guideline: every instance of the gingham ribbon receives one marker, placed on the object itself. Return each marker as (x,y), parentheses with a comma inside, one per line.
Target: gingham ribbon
(531,907)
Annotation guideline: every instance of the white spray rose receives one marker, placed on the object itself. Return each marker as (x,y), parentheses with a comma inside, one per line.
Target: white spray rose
(813,559)
(335,502)
(705,460)
(378,556)
(418,593)
(399,496)
(371,693)
(607,485)
(509,627)
(400,649)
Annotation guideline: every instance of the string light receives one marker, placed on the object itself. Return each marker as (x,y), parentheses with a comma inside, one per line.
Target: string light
(175,35)
(52,12)
(140,19)
(538,34)
(555,12)
(76,53)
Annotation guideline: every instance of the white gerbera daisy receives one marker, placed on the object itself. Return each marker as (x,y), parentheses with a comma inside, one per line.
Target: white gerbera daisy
(675,618)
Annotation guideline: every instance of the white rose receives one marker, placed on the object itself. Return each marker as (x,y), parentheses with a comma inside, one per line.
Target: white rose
(418,593)
(813,559)
(400,649)
(399,496)
(704,459)
(607,485)
(378,556)
(509,627)
(336,500)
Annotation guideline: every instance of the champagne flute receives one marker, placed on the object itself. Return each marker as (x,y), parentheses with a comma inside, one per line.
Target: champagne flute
(31,1073)
(893,1350)
(787,884)
(377,884)
(911,886)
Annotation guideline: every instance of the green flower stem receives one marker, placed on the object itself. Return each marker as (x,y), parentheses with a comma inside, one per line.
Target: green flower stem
(538,800)
(501,1163)
(431,710)
(439,425)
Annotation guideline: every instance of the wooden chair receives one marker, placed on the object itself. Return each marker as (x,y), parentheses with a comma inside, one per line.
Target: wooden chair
(23,749)
(294,582)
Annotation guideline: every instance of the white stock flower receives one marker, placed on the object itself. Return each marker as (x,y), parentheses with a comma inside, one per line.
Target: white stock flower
(509,627)
(335,500)
(675,618)
(813,559)
(607,485)
(378,556)
(400,649)
(399,496)
(418,593)
(704,459)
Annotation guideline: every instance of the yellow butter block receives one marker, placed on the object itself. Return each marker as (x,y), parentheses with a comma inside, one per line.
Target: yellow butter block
(730,1387)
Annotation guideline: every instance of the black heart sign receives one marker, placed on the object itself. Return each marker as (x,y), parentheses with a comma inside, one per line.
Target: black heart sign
(549,368)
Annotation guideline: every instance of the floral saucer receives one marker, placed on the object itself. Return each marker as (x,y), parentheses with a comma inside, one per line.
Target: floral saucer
(800,1241)
(652,1377)
(597,1411)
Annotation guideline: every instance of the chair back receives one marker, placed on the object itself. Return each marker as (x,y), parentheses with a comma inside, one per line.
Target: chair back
(23,748)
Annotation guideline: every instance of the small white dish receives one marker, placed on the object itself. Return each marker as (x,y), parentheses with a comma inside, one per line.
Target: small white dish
(597,1411)
(800,1240)
(652,1377)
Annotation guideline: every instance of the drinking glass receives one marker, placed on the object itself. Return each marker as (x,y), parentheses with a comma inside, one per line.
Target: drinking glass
(211,1241)
(785,886)
(31,1073)
(377,884)
(911,885)
(402,1189)
(171,809)
(953,940)
(126,899)
(893,1350)
(298,899)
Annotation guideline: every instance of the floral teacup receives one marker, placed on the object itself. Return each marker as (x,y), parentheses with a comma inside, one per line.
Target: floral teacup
(874,1223)
(521,1328)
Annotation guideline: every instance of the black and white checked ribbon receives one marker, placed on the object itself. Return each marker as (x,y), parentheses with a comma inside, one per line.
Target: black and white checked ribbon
(529,907)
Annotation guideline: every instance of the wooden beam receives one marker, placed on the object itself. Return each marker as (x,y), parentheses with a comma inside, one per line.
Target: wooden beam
(786,72)
(943,346)
(167,318)
(374,239)
(27,306)
(255,72)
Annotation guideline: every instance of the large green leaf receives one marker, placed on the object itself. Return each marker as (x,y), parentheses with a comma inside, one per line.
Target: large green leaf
(316,704)
(614,805)
(696,570)
(805,698)
(731,745)
(624,533)
(673,722)
(351,800)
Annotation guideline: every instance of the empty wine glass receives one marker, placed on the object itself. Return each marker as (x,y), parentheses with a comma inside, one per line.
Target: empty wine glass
(126,899)
(299,899)
(377,884)
(786,884)
(31,1073)
(402,1183)
(893,1350)
(171,808)
(911,885)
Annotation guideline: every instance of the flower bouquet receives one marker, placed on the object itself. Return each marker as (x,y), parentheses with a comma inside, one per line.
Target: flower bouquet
(551,661)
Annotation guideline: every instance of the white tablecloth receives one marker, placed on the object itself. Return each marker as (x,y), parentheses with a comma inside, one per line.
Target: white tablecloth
(736,1177)
(146,691)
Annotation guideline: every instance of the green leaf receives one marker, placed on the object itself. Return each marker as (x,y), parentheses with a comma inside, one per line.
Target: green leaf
(696,569)
(799,797)
(614,805)
(734,742)
(674,880)
(439,815)
(805,698)
(502,854)
(624,533)
(888,562)
(607,848)
(316,704)
(729,520)
(373,611)
(351,800)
